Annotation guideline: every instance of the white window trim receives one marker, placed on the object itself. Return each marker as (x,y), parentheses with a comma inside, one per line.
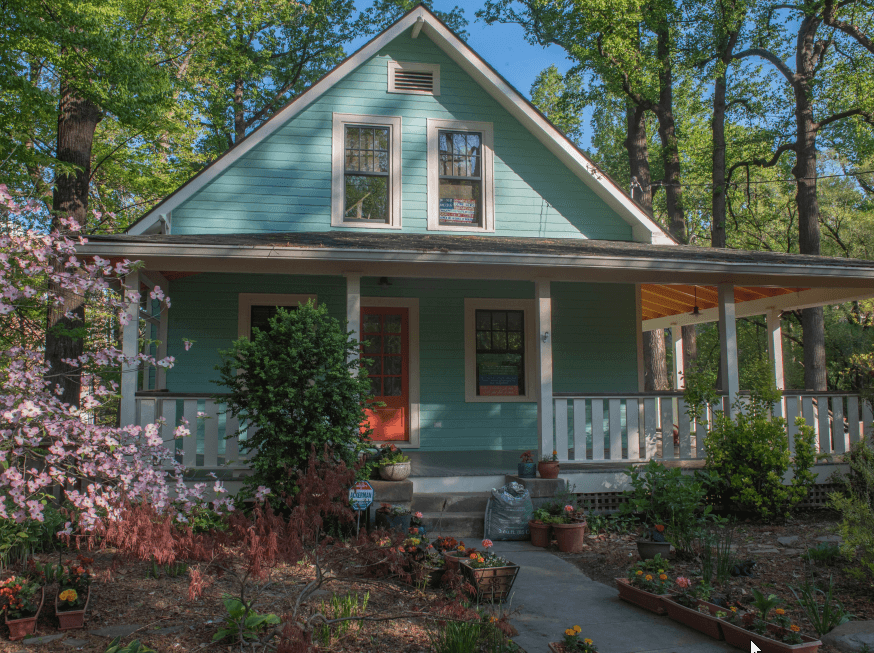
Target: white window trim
(412,306)
(488,178)
(417,67)
(338,187)
(531,365)
(247,300)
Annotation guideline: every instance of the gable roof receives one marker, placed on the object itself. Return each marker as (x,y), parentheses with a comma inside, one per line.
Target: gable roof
(644,229)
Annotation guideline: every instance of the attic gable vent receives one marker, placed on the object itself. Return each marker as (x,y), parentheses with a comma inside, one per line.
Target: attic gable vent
(414,78)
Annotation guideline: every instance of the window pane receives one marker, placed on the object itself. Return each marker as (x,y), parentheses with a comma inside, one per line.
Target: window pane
(499,321)
(392,323)
(483,340)
(373,345)
(371,323)
(352,138)
(514,341)
(366,198)
(460,154)
(483,320)
(382,139)
(392,365)
(460,202)
(514,320)
(393,386)
(392,344)
(374,364)
(499,341)
(376,386)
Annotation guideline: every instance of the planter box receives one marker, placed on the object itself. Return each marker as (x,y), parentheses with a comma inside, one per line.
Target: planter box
(647,600)
(71,619)
(705,623)
(539,533)
(21,628)
(492,584)
(571,538)
(741,638)
(647,549)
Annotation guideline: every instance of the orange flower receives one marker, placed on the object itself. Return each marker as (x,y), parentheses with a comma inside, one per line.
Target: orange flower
(480,559)
(660,528)
(780,611)
(473,556)
(794,628)
(639,572)
(68,595)
(648,577)
(663,576)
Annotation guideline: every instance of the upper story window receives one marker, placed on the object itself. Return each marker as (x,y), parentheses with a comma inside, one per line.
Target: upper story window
(366,171)
(460,180)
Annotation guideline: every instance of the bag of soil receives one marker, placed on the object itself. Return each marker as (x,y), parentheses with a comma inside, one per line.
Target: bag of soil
(508,512)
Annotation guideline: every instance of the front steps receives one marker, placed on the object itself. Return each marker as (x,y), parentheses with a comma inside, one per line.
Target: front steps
(459,514)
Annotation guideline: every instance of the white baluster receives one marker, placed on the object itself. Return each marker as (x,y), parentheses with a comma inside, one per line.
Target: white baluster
(579,429)
(650,424)
(615,426)
(597,429)
(791,414)
(561,429)
(853,419)
(632,419)
(189,444)
(825,431)
(210,435)
(839,437)
(667,420)
(685,426)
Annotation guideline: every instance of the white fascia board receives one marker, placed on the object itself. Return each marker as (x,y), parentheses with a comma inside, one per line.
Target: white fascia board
(810,298)
(644,229)
(278,119)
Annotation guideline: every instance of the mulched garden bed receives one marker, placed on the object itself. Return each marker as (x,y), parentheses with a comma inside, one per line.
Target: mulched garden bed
(608,556)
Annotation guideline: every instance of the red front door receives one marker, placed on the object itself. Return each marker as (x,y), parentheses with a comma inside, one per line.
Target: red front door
(385,332)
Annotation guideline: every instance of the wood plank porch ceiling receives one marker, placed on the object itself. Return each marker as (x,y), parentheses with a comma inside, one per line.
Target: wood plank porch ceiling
(660,300)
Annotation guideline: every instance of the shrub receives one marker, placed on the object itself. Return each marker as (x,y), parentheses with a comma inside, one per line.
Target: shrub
(751,454)
(856,505)
(296,383)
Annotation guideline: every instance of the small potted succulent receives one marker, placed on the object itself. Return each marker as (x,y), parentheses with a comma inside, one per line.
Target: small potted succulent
(572,643)
(393,464)
(527,466)
(21,600)
(548,466)
(396,518)
(653,543)
(491,576)
(646,584)
(74,593)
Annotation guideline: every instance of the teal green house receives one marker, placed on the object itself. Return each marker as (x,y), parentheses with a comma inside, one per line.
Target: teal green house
(502,281)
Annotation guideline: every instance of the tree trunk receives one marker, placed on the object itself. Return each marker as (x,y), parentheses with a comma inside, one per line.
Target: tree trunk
(239,112)
(690,353)
(77,123)
(806,198)
(655,375)
(717,227)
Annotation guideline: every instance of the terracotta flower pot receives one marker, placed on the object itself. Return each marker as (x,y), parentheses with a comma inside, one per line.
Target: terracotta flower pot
(705,623)
(647,600)
(548,468)
(539,533)
(741,638)
(452,559)
(571,537)
(396,472)
(647,549)
(21,628)
(492,584)
(71,619)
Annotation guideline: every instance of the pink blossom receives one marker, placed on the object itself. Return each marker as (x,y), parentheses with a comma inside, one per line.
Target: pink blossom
(683,582)
(487,544)
(418,515)
(568,508)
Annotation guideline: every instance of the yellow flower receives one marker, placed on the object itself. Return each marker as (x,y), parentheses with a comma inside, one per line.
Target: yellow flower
(569,632)
(68,595)
(734,609)
(578,629)
(587,641)
(648,577)
(780,611)
(493,619)
(639,572)
(663,576)
(794,628)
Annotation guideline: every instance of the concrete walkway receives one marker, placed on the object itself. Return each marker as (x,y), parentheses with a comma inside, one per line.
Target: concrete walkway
(553,595)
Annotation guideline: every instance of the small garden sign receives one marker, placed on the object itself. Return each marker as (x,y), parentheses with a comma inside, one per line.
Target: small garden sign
(360,498)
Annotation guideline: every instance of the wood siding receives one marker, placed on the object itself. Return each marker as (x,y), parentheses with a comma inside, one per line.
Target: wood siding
(284,184)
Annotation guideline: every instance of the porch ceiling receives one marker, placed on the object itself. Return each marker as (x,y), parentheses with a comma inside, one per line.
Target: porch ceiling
(666,300)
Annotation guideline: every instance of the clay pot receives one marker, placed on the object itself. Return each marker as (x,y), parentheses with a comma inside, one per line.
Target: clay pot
(71,619)
(571,537)
(396,472)
(539,533)
(705,623)
(452,558)
(21,628)
(548,468)
(647,600)
(647,549)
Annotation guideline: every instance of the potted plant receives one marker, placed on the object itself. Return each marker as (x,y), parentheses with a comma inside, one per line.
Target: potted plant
(688,606)
(396,518)
(492,576)
(74,593)
(781,637)
(646,584)
(570,530)
(21,600)
(539,526)
(548,466)
(393,464)
(572,643)
(527,466)
(430,567)
(455,555)
(653,543)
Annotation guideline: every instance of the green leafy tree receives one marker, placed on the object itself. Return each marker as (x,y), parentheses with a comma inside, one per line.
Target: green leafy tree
(297,384)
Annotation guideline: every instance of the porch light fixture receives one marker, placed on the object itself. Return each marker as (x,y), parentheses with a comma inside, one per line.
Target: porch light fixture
(695,310)
(384,282)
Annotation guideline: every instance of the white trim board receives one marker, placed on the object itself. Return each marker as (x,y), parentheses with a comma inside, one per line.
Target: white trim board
(644,229)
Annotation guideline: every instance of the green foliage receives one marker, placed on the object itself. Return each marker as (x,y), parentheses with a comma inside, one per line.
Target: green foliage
(296,383)
(243,623)
(18,541)
(171,571)
(456,637)
(751,454)
(825,617)
(825,553)
(343,607)
(856,504)
(714,546)
(133,647)
(764,604)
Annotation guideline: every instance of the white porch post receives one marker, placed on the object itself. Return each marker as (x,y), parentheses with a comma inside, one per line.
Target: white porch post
(728,344)
(775,354)
(353,306)
(679,367)
(544,345)
(638,311)
(163,326)
(129,347)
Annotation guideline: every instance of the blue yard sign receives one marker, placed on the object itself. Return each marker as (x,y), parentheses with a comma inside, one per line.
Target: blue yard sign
(361,495)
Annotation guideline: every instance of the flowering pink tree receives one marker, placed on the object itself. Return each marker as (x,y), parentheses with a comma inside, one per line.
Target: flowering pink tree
(45,443)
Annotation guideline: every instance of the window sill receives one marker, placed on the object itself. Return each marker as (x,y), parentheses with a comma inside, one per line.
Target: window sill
(362,225)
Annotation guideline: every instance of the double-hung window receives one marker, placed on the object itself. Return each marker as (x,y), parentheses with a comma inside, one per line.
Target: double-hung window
(366,178)
(460,181)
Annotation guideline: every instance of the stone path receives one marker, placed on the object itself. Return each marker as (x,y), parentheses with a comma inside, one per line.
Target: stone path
(553,595)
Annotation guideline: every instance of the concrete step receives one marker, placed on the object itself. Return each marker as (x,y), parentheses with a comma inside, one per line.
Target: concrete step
(458,524)
(451,502)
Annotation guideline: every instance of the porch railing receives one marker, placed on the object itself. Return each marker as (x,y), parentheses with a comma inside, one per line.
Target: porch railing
(208,446)
(591,428)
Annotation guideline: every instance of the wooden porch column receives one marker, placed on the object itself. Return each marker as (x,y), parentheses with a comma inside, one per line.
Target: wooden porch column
(353,306)
(728,344)
(544,345)
(129,347)
(775,354)
(679,365)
